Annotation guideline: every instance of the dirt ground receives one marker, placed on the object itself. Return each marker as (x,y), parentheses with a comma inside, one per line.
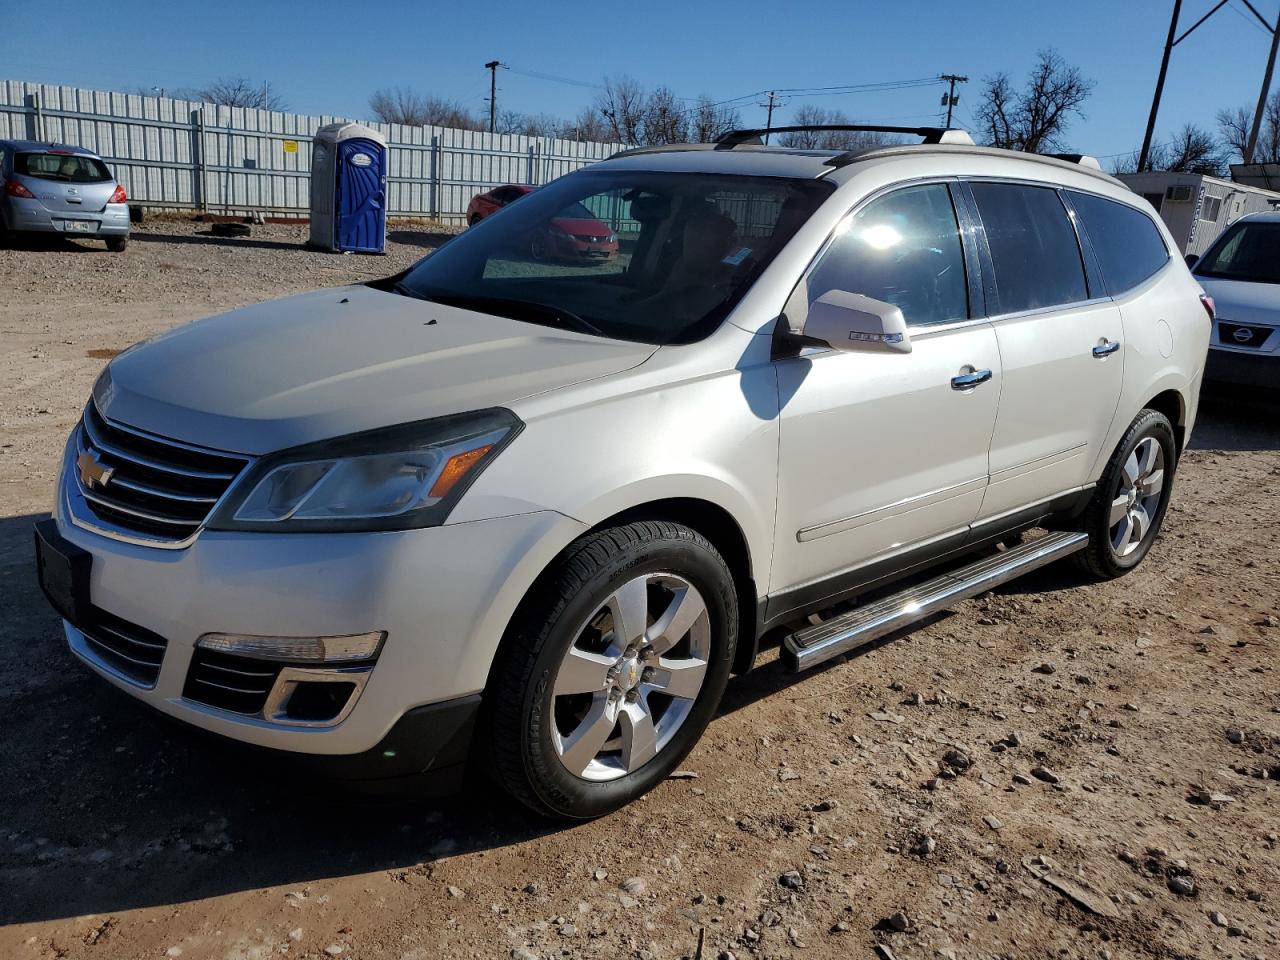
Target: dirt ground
(1055,769)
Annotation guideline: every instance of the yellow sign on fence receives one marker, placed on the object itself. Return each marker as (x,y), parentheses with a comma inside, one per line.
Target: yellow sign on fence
(291,146)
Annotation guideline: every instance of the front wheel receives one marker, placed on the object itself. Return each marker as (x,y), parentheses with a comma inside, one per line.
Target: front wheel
(1131,498)
(612,670)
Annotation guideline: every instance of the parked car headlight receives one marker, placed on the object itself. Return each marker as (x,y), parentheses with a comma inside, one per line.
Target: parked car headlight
(389,479)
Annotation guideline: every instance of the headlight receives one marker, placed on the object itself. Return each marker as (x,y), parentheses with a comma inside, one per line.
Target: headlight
(389,479)
(612,238)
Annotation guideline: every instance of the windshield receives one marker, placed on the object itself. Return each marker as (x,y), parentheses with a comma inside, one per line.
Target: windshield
(651,257)
(1248,251)
(66,167)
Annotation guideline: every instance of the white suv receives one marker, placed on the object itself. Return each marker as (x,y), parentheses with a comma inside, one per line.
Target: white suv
(537,512)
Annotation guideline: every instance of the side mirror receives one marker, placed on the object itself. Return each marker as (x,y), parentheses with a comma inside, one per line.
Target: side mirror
(1192,259)
(855,323)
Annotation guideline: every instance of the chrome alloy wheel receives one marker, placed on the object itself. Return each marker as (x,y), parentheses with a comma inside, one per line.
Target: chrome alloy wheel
(1137,498)
(630,678)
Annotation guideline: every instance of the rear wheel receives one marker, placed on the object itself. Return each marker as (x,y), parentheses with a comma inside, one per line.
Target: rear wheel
(117,244)
(1131,498)
(612,670)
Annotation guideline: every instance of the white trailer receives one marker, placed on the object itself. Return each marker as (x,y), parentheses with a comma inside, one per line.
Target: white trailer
(1196,207)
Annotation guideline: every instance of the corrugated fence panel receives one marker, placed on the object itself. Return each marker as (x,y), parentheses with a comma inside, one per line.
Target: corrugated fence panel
(187,155)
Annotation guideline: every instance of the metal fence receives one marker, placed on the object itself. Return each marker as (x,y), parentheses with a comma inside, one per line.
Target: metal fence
(179,154)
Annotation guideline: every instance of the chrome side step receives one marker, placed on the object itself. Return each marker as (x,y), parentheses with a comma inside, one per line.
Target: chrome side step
(812,645)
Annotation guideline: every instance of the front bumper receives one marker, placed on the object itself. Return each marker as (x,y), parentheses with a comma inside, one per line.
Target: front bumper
(1246,369)
(444,596)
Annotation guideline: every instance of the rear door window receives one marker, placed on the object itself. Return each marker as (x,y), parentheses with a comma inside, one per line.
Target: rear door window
(1033,245)
(1129,246)
(903,248)
(63,167)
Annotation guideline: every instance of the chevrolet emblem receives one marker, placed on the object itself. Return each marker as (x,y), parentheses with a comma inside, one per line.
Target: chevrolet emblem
(93,473)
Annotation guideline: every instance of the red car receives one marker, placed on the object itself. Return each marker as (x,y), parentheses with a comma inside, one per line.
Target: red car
(575,234)
(487,204)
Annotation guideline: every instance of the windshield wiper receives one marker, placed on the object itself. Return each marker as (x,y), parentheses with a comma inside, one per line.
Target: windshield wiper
(513,308)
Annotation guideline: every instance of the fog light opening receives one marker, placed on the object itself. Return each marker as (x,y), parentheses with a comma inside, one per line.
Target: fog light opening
(318,701)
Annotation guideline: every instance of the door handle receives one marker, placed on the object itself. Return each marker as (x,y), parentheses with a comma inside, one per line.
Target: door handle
(967,381)
(1106,347)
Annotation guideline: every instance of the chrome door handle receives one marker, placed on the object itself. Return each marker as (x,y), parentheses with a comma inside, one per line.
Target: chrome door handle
(968,380)
(1106,347)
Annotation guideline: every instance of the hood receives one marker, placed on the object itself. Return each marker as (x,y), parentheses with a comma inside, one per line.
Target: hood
(582,226)
(1242,301)
(338,361)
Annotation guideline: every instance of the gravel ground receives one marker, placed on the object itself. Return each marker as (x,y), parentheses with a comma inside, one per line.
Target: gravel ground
(1054,769)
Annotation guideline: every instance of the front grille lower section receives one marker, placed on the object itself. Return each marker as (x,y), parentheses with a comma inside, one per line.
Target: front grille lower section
(147,484)
(126,648)
(229,682)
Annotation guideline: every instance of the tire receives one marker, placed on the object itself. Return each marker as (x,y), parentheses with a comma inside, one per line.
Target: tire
(538,248)
(473,220)
(553,697)
(117,244)
(1117,545)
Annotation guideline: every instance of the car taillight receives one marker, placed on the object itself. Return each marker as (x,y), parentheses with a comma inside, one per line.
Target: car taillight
(14,189)
(118,196)
(1210,307)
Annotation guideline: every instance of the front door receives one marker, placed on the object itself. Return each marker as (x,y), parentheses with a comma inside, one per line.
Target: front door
(881,453)
(1061,349)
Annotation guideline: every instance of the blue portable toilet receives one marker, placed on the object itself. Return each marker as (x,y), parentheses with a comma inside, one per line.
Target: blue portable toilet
(349,189)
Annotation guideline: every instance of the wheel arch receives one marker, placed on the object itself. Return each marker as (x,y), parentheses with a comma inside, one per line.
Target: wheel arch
(713,521)
(1174,406)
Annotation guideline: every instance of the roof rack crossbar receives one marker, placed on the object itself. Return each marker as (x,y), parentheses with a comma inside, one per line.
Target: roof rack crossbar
(736,138)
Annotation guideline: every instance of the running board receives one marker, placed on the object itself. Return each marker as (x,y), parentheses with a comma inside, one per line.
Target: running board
(813,645)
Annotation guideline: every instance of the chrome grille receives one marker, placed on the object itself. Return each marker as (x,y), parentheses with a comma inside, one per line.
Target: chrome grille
(125,647)
(154,486)
(230,682)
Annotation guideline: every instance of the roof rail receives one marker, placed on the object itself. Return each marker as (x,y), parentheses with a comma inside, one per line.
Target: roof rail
(736,138)
(1081,158)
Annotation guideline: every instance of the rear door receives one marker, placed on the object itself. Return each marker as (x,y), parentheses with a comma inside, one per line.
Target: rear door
(1061,347)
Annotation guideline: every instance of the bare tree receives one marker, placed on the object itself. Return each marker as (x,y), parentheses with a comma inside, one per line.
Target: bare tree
(401,105)
(589,125)
(1191,150)
(809,115)
(665,118)
(622,106)
(1034,119)
(529,124)
(709,121)
(1233,128)
(237,92)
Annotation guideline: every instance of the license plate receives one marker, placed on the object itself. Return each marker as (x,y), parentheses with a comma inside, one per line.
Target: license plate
(63,571)
(79,226)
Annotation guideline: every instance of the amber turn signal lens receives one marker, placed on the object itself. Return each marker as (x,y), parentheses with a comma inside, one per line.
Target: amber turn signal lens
(457,467)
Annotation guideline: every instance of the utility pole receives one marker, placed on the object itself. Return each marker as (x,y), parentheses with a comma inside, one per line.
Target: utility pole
(1262,94)
(769,105)
(950,98)
(1145,152)
(492,66)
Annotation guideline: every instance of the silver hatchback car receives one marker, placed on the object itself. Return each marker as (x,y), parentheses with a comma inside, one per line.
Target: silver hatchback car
(56,188)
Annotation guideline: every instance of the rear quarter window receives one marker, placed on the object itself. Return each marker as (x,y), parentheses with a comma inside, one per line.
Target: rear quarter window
(63,167)
(1128,244)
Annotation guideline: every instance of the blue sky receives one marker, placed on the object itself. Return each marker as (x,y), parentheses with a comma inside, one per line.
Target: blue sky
(323,58)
